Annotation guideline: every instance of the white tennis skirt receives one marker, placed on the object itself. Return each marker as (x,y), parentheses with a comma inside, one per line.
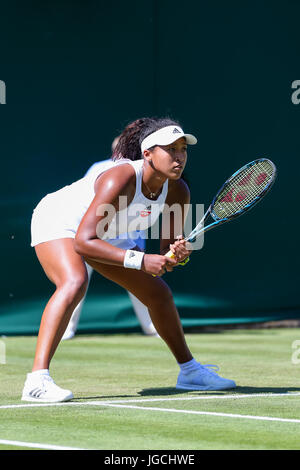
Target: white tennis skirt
(52,220)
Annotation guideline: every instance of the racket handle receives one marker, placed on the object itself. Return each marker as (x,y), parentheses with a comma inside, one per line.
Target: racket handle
(170,254)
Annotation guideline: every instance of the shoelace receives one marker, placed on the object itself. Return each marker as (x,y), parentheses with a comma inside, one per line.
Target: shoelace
(47,378)
(211,368)
(40,390)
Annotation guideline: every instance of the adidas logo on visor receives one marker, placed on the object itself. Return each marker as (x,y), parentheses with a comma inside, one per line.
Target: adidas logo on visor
(165,136)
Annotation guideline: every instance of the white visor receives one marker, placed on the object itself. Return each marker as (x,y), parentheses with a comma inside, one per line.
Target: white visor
(165,136)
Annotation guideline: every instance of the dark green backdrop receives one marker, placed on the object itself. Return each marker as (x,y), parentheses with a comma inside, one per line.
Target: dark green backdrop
(77,71)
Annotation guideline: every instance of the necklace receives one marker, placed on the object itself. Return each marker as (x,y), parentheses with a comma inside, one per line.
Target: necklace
(151,194)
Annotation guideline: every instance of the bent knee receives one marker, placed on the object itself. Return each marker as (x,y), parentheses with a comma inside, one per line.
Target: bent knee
(75,287)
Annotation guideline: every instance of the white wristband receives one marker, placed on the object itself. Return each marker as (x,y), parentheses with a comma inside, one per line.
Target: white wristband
(133,259)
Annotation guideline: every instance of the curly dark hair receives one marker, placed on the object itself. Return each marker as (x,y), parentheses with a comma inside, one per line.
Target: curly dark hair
(129,144)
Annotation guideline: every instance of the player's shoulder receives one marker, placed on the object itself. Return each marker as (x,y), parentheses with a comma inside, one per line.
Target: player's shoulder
(178,191)
(119,174)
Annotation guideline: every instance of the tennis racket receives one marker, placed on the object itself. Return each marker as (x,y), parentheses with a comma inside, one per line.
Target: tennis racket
(242,191)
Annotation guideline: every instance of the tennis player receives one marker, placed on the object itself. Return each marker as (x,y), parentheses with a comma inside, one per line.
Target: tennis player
(79,223)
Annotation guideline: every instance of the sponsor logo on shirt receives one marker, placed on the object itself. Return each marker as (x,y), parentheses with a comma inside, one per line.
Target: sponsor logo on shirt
(146,212)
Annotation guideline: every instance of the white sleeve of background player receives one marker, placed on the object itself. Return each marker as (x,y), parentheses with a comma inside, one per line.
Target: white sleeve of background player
(98,167)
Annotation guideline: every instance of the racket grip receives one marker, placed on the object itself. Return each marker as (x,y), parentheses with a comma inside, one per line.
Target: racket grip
(170,254)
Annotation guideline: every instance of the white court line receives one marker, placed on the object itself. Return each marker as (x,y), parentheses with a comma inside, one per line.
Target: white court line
(35,445)
(169,410)
(149,400)
(200,397)
(126,405)
(209,413)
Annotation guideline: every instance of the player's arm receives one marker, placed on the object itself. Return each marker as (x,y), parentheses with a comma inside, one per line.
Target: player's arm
(173,219)
(116,182)
(108,189)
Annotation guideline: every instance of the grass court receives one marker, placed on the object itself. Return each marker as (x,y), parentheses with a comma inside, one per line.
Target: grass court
(125,396)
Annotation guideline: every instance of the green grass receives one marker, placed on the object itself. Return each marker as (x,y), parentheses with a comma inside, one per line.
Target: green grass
(134,367)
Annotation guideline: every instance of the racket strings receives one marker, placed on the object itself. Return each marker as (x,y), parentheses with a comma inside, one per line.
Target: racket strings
(243,189)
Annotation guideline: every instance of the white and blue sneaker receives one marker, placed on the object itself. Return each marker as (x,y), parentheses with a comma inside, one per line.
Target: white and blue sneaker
(204,377)
(41,388)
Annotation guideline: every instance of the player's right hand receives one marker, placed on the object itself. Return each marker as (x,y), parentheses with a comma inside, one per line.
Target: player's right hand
(157,265)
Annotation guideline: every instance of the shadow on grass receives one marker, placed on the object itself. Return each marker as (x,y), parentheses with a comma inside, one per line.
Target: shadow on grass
(238,390)
(169,391)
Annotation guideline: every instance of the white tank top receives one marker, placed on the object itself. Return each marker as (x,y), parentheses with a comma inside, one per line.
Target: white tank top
(71,203)
(140,214)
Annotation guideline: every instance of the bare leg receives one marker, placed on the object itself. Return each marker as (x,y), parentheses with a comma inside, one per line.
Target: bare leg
(66,269)
(140,311)
(156,295)
(74,320)
(142,315)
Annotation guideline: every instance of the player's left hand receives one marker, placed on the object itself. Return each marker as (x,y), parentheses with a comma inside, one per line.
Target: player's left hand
(179,249)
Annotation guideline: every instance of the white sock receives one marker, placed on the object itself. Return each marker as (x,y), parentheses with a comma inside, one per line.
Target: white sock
(36,373)
(189,366)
